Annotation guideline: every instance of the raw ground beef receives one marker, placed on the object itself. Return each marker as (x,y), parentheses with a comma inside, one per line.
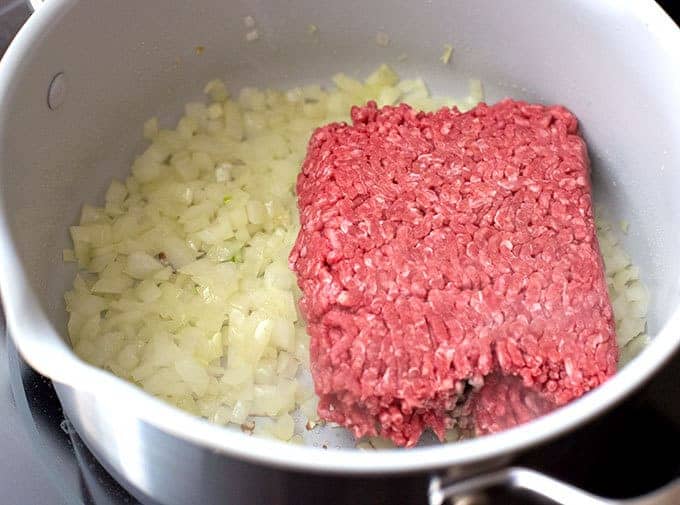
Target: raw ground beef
(439,248)
(503,402)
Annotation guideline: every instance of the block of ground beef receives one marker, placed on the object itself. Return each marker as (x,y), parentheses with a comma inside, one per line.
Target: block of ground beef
(438,248)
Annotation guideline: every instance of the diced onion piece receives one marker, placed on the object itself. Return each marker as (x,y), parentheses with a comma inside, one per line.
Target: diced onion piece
(446,55)
(382,39)
(142,266)
(193,374)
(151,128)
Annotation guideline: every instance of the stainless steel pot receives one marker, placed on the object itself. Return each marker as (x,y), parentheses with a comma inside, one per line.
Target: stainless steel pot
(80,73)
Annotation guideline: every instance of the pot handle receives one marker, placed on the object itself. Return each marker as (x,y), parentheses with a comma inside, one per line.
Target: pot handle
(445,488)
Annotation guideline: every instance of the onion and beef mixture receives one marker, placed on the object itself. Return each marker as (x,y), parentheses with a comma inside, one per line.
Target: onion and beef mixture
(184,287)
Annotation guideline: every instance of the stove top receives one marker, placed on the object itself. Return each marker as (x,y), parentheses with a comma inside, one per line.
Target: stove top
(632,450)
(43,461)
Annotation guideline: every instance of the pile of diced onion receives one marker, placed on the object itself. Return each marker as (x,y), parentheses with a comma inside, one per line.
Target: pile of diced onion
(628,295)
(183,285)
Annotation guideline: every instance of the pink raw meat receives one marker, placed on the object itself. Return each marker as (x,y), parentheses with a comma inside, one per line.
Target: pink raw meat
(439,248)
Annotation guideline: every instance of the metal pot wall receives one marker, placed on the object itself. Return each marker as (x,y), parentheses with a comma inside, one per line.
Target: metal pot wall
(80,73)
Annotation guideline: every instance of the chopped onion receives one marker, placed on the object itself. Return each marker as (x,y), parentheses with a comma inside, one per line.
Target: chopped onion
(628,295)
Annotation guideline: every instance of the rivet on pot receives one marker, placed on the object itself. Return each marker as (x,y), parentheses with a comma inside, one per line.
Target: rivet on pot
(56,93)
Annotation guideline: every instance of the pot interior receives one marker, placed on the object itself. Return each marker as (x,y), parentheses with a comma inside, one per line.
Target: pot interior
(125,62)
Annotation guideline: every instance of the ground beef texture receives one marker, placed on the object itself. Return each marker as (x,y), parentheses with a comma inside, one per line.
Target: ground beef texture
(438,250)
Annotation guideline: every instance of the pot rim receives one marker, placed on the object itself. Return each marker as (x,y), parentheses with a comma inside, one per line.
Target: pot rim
(42,347)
